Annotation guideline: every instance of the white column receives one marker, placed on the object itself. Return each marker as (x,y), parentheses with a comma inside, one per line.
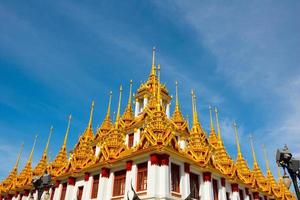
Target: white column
(87,188)
(153,175)
(222,190)
(163,181)
(168,110)
(207,190)
(57,191)
(70,188)
(235,192)
(103,183)
(136,137)
(247,197)
(186,189)
(130,177)
(137,108)
(109,188)
(145,102)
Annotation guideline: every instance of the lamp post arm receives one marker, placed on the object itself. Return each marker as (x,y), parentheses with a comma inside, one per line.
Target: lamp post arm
(295,183)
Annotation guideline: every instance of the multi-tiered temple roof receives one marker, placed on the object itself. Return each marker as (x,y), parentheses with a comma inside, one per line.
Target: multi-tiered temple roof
(159,133)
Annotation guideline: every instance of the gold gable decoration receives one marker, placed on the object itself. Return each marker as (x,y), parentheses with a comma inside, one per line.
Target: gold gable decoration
(222,161)
(198,146)
(25,176)
(243,171)
(43,163)
(58,166)
(114,142)
(83,153)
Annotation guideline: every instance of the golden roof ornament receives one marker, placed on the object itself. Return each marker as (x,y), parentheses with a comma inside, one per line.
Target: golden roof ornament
(198,146)
(221,159)
(128,115)
(57,167)
(243,171)
(83,153)
(43,163)
(25,176)
(114,142)
(106,124)
(8,183)
(258,175)
(177,116)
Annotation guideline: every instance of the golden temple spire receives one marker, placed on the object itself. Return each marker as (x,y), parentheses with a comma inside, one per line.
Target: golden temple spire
(195,114)
(211,120)
(32,150)
(119,105)
(19,156)
(218,125)
(153,68)
(177,101)
(158,87)
(130,95)
(266,158)
(91,115)
(253,152)
(235,126)
(67,131)
(47,145)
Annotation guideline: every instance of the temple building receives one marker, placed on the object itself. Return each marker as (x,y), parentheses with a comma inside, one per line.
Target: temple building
(147,152)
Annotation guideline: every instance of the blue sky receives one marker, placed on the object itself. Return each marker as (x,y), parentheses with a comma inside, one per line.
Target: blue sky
(56,57)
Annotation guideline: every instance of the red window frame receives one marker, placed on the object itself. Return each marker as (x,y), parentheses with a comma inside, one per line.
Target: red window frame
(130,140)
(194,186)
(95,186)
(215,189)
(63,191)
(175,178)
(142,170)
(119,183)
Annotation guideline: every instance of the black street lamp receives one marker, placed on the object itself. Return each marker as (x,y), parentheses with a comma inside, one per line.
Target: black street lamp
(284,159)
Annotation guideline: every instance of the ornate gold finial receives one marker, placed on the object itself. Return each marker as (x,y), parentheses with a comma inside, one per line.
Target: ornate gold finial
(211,119)
(47,145)
(91,115)
(119,105)
(158,72)
(266,157)
(252,149)
(218,125)
(177,102)
(153,69)
(32,150)
(235,126)
(195,114)
(67,131)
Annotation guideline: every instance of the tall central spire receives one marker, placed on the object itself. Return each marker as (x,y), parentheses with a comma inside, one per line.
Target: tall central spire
(211,120)
(266,158)
(235,126)
(47,145)
(153,68)
(195,114)
(19,156)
